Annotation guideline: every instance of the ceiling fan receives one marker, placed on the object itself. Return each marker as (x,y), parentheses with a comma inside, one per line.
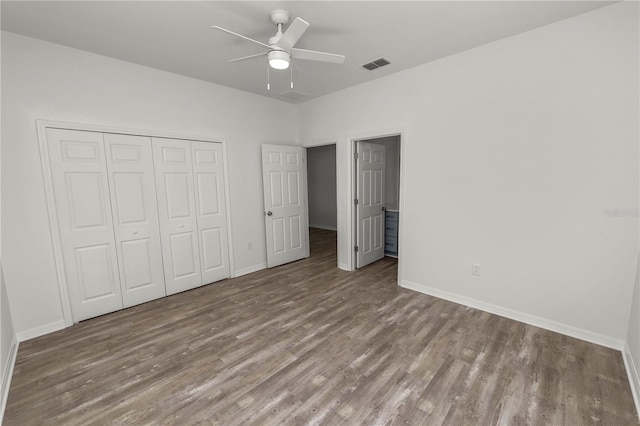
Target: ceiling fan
(280,48)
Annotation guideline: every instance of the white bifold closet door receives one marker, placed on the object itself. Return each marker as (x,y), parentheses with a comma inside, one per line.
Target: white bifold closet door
(138,218)
(83,207)
(192,212)
(135,217)
(211,216)
(106,208)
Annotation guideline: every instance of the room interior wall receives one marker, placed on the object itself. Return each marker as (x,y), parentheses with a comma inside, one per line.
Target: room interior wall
(41,80)
(516,156)
(8,340)
(321,183)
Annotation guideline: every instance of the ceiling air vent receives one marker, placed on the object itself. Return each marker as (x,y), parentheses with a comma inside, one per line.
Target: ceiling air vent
(293,96)
(376,64)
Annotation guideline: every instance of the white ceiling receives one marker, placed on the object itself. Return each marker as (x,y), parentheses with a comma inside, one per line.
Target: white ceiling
(175,36)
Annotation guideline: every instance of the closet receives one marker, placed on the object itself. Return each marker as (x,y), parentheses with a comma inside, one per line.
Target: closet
(138,217)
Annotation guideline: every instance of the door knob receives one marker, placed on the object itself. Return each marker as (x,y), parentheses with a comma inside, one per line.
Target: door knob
(182,225)
(269,213)
(135,232)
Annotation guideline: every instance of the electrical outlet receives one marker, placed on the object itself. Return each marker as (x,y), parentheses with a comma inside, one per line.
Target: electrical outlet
(250,245)
(475,269)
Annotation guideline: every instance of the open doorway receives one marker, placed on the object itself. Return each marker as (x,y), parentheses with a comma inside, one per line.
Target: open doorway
(376,186)
(323,210)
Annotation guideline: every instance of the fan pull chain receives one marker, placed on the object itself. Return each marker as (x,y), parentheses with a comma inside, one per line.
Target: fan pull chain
(291,68)
(268,79)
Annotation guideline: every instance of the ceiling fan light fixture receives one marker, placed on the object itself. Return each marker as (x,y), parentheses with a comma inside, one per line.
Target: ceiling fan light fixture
(279,59)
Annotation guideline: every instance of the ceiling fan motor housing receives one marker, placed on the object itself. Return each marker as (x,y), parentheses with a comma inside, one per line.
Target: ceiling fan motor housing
(273,40)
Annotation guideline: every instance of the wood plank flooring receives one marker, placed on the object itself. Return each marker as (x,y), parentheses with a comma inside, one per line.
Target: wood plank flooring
(306,343)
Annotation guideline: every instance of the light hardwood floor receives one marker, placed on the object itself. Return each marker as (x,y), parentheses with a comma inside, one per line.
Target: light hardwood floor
(306,343)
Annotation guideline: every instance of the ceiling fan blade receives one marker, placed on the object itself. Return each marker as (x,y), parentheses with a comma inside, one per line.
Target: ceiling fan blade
(248,57)
(312,55)
(241,36)
(293,34)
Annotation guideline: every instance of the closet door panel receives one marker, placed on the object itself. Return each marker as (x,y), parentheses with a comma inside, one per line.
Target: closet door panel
(183,255)
(83,209)
(177,190)
(95,272)
(137,270)
(177,213)
(212,250)
(134,205)
(211,210)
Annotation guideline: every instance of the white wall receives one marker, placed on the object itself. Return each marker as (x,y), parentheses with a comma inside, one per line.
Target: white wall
(512,152)
(8,341)
(321,183)
(41,80)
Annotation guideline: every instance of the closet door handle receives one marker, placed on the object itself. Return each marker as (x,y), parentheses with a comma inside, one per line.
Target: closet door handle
(182,225)
(269,213)
(135,232)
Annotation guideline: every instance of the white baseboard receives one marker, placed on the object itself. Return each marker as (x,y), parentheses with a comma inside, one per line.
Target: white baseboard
(32,333)
(7,373)
(249,270)
(557,327)
(328,228)
(632,374)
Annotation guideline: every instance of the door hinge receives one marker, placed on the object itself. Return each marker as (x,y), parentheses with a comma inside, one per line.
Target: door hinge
(355,201)
(355,248)
(355,155)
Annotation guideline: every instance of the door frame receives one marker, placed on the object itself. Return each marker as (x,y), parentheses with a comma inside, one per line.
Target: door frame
(317,145)
(43,125)
(352,191)
(327,142)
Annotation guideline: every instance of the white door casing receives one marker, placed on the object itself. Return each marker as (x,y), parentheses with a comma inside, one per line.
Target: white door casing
(370,205)
(177,214)
(211,216)
(135,217)
(80,184)
(284,179)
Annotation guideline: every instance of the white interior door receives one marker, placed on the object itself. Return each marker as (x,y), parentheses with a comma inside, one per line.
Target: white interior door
(83,208)
(177,214)
(135,217)
(370,202)
(284,179)
(211,210)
